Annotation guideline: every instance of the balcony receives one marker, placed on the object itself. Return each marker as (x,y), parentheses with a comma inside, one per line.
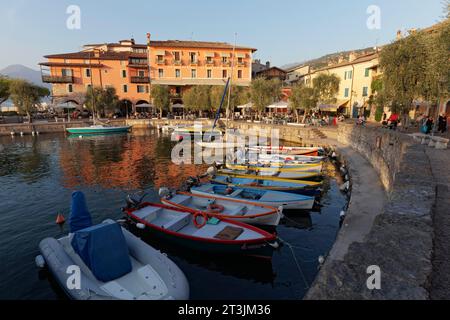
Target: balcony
(57,79)
(177,62)
(226,64)
(209,63)
(140,79)
(241,64)
(160,61)
(194,62)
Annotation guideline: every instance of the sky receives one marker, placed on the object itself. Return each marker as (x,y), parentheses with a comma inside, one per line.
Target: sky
(283,31)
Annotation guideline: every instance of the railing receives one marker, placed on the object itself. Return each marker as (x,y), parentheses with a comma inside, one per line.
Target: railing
(160,61)
(177,62)
(194,62)
(140,79)
(209,62)
(57,79)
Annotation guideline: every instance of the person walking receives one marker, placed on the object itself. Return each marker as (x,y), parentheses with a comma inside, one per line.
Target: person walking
(442,124)
(429,125)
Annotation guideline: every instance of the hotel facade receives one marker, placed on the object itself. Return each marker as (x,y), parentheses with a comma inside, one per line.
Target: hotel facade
(356,75)
(133,68)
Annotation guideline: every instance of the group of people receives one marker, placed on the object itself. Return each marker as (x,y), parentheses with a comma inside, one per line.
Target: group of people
(427,124)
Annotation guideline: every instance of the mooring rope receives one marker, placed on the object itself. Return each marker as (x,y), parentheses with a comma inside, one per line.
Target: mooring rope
(291,247)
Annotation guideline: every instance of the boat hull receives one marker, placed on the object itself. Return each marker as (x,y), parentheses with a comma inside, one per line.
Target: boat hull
(260,247)
(94,130)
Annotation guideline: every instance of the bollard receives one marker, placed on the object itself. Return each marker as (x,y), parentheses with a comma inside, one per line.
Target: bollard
(21,134)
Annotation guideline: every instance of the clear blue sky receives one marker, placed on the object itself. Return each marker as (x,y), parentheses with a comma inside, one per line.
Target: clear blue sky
(283,31)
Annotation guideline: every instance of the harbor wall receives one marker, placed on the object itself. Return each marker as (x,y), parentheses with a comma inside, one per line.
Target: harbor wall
(400,239)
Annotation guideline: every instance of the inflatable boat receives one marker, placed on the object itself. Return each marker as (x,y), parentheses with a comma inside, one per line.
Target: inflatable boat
(106,262)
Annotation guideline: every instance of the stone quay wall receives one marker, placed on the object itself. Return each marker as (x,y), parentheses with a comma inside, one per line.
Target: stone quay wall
(400,241)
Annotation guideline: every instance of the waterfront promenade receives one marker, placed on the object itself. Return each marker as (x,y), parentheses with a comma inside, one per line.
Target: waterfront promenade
(398,214)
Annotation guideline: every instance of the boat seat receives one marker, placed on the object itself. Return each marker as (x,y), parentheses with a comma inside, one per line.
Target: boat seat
(236,193)
(148,213)
(238,211)
(178,223)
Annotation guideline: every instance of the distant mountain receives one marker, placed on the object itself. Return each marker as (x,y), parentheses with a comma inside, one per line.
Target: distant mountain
(21,72)
(323,61)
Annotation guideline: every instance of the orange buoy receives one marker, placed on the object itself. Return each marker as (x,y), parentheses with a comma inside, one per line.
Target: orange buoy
(60,220)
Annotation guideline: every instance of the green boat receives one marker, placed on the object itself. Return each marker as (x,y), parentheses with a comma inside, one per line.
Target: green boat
(98,129)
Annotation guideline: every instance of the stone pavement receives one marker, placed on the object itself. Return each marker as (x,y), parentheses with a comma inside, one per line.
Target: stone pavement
(440,280)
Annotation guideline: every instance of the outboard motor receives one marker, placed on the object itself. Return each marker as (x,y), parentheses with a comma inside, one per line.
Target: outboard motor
(189,183)
(134,200)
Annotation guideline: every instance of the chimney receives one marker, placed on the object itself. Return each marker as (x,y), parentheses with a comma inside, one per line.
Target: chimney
(399,34)
(352,57)
(96,53)
(268,64)
(341,59)
(148,39)
(132,41)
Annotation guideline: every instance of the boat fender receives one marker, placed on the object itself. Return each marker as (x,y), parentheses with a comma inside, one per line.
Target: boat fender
(274,245)
(342,215)
(140,226)
(280,210)
(215,208)
(346,186)
(40,261)
(321,260)
(205,220)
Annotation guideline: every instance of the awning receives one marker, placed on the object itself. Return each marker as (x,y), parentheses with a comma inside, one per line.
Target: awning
(240,55)
(328,108)
(225,55)
(246,106)
(210,55)
(178,106)
(279,105)
(144,105)
(67,105)
(160,53)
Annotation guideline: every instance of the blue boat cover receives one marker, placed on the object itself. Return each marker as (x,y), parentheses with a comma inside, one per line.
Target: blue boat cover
(80,218)
(104,250)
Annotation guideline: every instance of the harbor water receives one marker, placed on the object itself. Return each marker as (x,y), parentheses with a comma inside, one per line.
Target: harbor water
(38,175)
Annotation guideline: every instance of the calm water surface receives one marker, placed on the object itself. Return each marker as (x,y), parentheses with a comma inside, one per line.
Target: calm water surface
(38,175)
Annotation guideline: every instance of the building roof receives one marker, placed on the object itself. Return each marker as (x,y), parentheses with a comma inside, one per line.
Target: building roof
(361,59)
(104,55)
(196,44)
(271,68)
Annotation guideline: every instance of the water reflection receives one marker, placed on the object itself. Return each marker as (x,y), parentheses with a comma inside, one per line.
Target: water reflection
(25,157)
(129,162)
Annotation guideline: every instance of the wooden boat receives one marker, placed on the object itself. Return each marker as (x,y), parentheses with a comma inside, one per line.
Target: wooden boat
(307,188)
(288,158)
(242,211)
(198,232)
(114,264)
(267,197)
(287,150)
(294,175)
(98,129)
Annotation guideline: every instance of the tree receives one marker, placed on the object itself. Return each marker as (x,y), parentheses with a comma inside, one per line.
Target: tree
(26,95)
(404,65)
(4,89)
(161,98)
(263,93)
(101,101)
(378,98)
(197,99)
(239,96)
(303,98)
(326,87)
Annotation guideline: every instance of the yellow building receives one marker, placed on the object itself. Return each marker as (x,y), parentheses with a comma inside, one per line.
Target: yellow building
(355,74)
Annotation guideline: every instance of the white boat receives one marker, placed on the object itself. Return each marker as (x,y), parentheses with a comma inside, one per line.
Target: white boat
(267,197)
(242,211)
(113,264)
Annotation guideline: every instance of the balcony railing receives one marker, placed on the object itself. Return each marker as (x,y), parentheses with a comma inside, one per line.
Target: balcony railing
(160,61)
(226,63)
(177,62)
(140,79)
(193,62)
(241,64)
(57,79)
(209,62)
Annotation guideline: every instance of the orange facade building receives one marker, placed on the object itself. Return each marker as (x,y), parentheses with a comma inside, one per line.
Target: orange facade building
(132,68)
